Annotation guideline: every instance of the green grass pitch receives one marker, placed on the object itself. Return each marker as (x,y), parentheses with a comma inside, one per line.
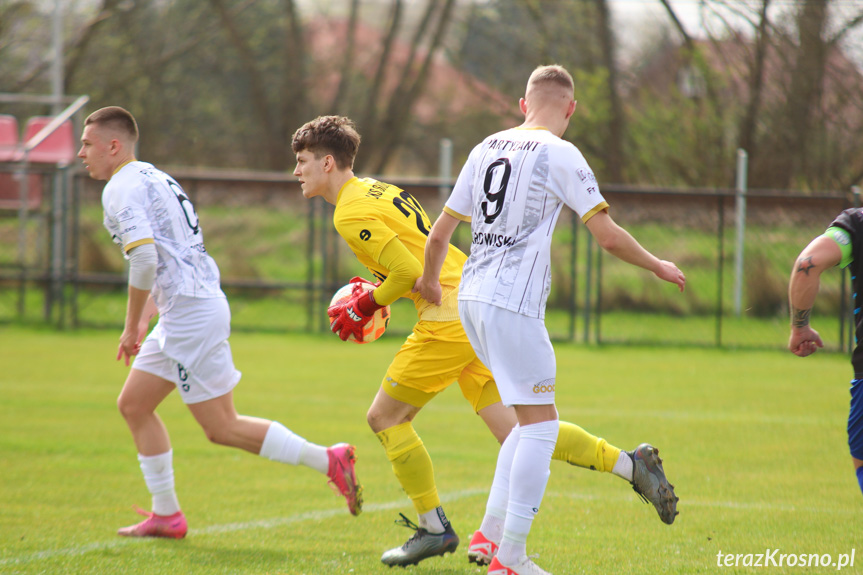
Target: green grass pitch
(754,442)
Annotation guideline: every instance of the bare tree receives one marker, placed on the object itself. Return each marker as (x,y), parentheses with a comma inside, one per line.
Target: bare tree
(411,83)
(747,128)
(337,105)
(260,106)
(615,159)
(804,93)
(294,95)
(369,118)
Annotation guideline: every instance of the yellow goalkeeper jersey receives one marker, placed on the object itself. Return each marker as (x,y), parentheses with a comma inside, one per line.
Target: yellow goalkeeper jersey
(369,214)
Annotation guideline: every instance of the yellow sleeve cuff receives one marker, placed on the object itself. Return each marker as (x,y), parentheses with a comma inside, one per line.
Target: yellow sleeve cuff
(599,207)
(128,247)
(456,215)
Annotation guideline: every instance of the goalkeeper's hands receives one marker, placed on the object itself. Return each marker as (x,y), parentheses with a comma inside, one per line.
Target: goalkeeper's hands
(351,316)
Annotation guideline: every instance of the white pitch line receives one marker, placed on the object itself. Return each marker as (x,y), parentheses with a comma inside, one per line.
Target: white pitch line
(227,528)
(574,413)
(734,505)
(372,507)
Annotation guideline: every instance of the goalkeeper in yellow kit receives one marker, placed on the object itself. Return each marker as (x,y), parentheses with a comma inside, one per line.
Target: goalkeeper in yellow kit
(387,229)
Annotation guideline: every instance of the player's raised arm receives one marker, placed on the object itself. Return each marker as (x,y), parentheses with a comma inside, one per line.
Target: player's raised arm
(822,253)
(620,243)
(428,285)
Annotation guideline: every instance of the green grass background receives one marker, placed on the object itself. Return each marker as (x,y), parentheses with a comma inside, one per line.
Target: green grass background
(753,440)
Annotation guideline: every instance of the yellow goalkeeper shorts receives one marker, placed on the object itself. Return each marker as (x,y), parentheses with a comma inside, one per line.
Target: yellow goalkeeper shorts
(434,356)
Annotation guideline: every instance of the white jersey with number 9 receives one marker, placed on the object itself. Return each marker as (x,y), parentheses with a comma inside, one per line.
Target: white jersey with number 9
(513,188)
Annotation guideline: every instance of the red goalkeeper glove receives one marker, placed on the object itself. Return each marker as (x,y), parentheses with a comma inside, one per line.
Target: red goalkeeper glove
(351,316)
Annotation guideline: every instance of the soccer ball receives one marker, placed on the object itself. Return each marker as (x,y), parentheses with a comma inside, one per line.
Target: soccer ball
(376,326)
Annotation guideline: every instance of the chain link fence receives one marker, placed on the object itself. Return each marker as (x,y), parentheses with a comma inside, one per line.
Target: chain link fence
(281,260)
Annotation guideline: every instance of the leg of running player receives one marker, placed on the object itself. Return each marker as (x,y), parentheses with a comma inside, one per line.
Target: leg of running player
(575,445)
(141,395)
(391,421)
(521,476)
(858,469)
(855,429)
(224,426)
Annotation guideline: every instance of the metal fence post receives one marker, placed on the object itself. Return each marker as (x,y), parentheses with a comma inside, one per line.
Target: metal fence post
(311,300)
(741,226)
(720,268)
(573,274)
(444,170)
(855,193)
(587,279)
(23,218)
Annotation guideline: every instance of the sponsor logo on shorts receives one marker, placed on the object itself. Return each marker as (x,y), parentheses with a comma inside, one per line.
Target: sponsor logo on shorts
(183,375)
(543,388)
(365,235)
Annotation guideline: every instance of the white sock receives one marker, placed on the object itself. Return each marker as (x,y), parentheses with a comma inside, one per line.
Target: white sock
(158,473)
(434,521)
(316,457)
(492,527)
(498,497)
(282,445)
(528,479)
(623,467)
(512,549)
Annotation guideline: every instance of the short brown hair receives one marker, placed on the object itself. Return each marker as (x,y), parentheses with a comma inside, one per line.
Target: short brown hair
(552,75)
(115,118)
(333,135)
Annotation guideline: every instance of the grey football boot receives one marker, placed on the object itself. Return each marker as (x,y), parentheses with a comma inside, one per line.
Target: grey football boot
(649,481)
(421,545)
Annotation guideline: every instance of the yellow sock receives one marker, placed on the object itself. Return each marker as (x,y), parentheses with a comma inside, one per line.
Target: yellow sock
(578,447)
(412,465)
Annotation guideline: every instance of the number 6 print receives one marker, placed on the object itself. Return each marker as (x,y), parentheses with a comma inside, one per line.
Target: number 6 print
(186,204)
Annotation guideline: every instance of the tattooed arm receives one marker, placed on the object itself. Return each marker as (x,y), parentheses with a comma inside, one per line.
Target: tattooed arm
(821,254)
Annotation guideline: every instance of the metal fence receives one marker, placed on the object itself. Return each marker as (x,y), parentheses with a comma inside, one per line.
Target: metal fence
(281,260)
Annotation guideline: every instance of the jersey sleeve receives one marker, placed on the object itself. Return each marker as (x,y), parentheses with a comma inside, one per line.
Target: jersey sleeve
(364,233)
(842,239)
(460,203)
(576,182)
(849,221)
(125,209)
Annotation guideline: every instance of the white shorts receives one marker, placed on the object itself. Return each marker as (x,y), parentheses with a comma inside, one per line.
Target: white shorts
(189,347)
(517,350)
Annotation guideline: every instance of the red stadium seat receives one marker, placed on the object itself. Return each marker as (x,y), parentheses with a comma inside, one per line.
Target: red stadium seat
(57,148)
(10,191)
(8,138)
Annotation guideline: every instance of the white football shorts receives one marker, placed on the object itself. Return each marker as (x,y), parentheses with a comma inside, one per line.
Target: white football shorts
(189,347)
(516,348)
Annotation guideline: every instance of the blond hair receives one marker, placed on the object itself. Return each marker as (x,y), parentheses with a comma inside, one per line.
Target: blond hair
(551,75)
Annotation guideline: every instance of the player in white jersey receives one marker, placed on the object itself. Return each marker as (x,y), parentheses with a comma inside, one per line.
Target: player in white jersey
(170,274)
(512,190)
